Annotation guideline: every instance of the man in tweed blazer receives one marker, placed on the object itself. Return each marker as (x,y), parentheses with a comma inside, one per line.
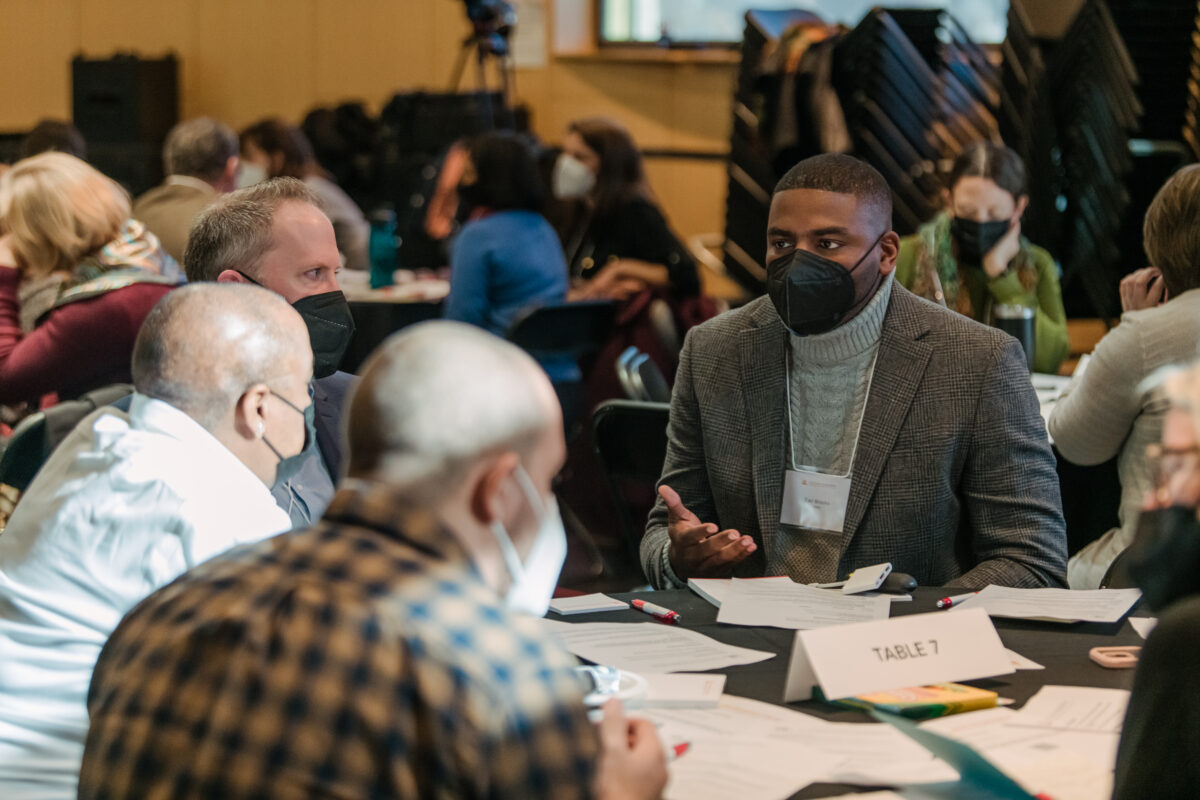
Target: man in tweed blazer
(952,479)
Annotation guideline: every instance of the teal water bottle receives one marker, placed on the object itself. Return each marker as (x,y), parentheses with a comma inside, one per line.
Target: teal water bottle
(382,246)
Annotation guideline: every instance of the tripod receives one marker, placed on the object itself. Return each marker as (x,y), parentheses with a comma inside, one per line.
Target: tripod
(486,44)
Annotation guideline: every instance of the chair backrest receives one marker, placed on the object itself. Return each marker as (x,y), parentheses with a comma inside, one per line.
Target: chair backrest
(570,329)
(61,419)
(631,441)
(625,373)
(36,436)
(27,450)
(654,384)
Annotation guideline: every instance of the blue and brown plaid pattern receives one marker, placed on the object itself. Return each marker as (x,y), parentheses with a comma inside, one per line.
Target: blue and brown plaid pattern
(363,658)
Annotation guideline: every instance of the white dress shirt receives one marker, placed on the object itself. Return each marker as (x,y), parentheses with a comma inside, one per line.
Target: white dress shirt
(123,506)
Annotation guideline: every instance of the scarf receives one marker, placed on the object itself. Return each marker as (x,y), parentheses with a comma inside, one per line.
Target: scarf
(135,253)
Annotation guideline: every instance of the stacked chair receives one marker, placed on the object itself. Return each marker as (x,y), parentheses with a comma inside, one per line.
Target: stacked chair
(913,89)
(916,91)
(754,162)
(1085,99)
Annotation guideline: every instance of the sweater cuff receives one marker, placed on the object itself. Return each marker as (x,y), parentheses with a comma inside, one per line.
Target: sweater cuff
(1007,288)
(672,580)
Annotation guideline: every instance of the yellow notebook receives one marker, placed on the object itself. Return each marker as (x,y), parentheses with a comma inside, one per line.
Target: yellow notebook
(924,702)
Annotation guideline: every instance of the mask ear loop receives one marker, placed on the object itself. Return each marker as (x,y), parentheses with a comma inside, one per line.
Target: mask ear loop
(516,569)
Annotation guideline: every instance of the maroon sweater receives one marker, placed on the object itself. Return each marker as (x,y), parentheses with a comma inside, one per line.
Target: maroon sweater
(78,347)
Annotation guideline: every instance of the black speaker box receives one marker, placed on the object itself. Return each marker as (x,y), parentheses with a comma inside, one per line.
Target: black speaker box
(124,106)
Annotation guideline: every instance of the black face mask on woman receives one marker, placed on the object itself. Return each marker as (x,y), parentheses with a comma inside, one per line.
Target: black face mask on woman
(812,293)
(975,239)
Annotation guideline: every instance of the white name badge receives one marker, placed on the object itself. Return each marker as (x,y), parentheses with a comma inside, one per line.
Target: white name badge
(879,656)
(815,500)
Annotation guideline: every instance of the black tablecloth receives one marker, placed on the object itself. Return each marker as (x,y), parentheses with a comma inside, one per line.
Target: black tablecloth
(1061,648)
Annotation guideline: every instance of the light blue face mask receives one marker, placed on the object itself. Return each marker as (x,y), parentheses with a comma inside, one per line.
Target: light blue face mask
(533,580)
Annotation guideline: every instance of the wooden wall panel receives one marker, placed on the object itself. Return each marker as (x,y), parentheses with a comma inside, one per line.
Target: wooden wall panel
(254,59)
(40,38)
(242,60)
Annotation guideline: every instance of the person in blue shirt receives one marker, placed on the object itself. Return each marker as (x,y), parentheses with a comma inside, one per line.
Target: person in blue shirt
(507,258)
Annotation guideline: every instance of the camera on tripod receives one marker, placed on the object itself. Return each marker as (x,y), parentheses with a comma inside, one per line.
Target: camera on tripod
(493,21)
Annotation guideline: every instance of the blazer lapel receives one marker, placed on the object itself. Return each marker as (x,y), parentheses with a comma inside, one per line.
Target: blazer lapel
(899,369)
(762,353)
(326,421)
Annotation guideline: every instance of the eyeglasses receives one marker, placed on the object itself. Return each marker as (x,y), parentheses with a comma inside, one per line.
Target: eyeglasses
(1166,462)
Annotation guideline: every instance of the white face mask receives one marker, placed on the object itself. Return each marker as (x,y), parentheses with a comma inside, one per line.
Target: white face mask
(250,174)
(572,178)
(534,580)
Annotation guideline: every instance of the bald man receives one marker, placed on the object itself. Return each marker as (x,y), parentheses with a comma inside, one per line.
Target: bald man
(842,422)
(392,651)
(130,500)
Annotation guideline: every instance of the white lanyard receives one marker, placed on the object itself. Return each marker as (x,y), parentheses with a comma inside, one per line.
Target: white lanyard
(812,499)
(862,413)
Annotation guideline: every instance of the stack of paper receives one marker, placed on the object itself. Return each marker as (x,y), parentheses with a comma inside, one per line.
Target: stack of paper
(714,589)
(1054,605)
(757,751)
(736,750)
(1075,708)
(586,604)
(796,606)
(1065,765)
(649,647)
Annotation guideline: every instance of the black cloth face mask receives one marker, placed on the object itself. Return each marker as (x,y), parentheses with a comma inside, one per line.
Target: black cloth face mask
(330,326)
(1164,557)
(975,239)
(811,293)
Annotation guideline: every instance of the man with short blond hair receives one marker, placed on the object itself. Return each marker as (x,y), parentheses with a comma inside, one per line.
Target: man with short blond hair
(273,234)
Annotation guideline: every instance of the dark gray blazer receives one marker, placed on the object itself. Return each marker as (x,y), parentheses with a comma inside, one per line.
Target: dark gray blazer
(954,481)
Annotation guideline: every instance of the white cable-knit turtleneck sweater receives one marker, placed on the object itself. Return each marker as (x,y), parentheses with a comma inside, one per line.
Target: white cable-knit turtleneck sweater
(830,378)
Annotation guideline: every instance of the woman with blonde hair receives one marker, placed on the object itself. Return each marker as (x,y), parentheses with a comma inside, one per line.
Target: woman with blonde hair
(77,277)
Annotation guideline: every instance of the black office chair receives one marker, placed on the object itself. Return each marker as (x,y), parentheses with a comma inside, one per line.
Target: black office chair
(654,386)
(36,436)
(25,453)
(574,329)
(631,442)
(640,378)
(566,330)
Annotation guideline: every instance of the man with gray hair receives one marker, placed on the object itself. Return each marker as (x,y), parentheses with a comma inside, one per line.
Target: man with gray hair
(384,652)
(130,500)
(274,235)
(200,158)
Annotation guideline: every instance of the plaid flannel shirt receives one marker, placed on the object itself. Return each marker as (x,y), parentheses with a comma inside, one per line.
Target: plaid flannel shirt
(362,658)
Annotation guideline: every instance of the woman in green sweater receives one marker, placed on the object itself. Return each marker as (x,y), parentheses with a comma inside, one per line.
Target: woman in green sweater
(973,257)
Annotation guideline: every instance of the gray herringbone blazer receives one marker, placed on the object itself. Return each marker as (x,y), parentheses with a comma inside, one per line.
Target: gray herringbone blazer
(954,481)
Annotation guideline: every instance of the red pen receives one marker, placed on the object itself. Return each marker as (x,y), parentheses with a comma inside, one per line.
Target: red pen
(947,602)
(677,750)
(665,614)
